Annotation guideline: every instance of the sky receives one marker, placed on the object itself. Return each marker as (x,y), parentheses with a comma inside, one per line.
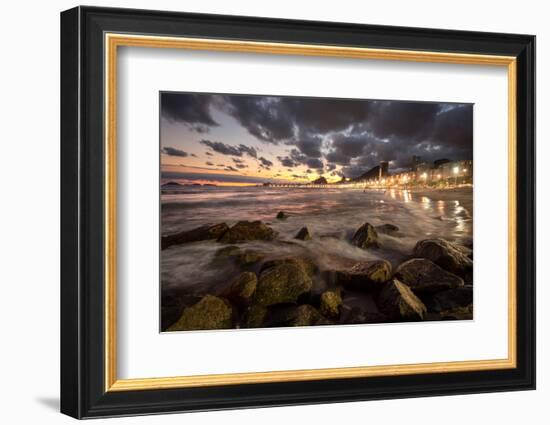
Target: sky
(250,139)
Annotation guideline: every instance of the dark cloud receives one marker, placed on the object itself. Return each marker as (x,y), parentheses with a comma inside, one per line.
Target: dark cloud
(193,110)
(226,149)
(209,163)
(209,153)
(336,135)
(265,163)
(230,168)
(174,152)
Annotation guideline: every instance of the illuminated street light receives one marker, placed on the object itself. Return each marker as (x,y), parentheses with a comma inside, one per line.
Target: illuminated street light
(424,176)
(455,170)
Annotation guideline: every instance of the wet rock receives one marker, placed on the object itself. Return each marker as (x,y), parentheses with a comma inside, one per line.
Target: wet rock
(422,275)
(365,275)
(331,301)
(248,231)
(365,237)
(458,313)
(398,302)
(388,229)
(303,234)
(209,313)
(241,290)
(202,233)
(450,299)
(255,317)
(304,263)
(235,253)
(302,315)
(281,215)
(282,283)
(227,252)
(356,316)
(449,256)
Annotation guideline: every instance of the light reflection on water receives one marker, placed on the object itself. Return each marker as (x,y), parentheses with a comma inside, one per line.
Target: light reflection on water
(332,215)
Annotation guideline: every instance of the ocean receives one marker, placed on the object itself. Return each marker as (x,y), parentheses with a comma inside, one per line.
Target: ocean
(331,214)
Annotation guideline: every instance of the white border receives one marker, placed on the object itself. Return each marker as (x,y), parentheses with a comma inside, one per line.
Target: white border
(144,352)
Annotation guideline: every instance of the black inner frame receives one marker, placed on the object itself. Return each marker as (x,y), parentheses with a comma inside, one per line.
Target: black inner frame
(82,212)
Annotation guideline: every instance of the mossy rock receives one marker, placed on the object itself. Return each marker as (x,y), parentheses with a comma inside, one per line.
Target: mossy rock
(330,304)
(365,237)
(248,231)
(303,234)
(202,233)
(400,303)
(296,315)
(283,283)
(209,313)
(423,275)
(249,257)
(304,263)
(451,257)
(365,275)
(255,317)
(241,290)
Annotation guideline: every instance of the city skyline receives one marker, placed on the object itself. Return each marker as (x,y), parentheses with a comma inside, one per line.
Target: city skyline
(250,139)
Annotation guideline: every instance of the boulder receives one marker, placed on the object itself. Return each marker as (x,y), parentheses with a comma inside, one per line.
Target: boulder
(301,315)
(209,313)
(356,316)
(422,275)
(365,237)
(281,215)
(303,234)
(235,253)
(241,290)
(202,233)
(458,313)
(282,283)
(449,256)
(304,263)
(331,301)
(365,275)
(398,302)
(387,228)
(255,317)
(248,231)
(450,299)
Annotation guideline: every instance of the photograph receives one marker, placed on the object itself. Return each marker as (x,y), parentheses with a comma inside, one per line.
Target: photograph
(282,211)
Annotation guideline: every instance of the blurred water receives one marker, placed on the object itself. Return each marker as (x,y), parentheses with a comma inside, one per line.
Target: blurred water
(332,215)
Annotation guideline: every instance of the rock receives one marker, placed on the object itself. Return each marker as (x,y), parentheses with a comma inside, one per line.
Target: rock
(209,313)
(458,313)
(388,229)
(450,299)
(365,275)
(241,290)
(358,317)
(281,215)
(422,275)
(255,317)
(202,233)
(283,283)
(307,265)
(365,237)
(331,301)
(248,231)
(249,257)
(446,255)
(302,315)
(242,258)
(303,234)
(398,301)
(227,251)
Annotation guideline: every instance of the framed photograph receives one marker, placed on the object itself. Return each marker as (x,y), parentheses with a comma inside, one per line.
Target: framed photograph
(261,212)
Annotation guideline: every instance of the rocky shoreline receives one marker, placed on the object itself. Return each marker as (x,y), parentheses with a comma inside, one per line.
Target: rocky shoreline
(434,283)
